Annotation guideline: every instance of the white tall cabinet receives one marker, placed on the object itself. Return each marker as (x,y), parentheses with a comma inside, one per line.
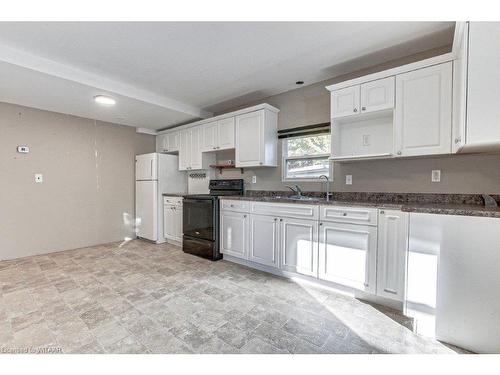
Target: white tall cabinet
(424,111)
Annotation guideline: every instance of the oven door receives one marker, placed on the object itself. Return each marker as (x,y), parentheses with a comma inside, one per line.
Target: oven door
(199,218)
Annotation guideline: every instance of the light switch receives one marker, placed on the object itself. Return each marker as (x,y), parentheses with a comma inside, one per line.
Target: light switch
(38,178)
(348,179)
(436,175)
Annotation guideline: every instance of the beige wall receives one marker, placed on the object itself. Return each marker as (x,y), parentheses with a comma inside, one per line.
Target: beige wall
(311,105)
(88,171)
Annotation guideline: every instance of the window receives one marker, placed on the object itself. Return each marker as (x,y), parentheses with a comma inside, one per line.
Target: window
(306,157)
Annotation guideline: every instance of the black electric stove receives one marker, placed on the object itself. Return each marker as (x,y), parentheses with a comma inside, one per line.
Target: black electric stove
(201,218)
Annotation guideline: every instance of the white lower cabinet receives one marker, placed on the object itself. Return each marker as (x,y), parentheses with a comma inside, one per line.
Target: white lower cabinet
(234,234)
(392,250)
(264,243)
(172,222)
(348,255)
(356,247)
(299,246)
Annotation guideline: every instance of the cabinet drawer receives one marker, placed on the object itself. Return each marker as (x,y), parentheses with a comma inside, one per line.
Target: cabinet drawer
(176,201)
(352,215)
(297,210)
(234,205)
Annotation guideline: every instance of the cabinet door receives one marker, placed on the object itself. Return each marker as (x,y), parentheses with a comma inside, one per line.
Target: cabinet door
(169,222)
(423,111)
(345,102)
(299,246)
(196,156)
(234,234)
(178,227)
(185,150)
(263,247)
(348,255)
(377,95)
(209,136)
(483,85)
(391,255)
(173,141)
(162,143)
(250,139)
(226,133)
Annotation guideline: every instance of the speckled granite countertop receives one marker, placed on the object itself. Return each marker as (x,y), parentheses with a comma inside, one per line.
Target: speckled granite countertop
(445,204)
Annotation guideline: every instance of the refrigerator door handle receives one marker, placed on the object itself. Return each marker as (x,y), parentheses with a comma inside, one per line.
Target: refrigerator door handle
(151,168)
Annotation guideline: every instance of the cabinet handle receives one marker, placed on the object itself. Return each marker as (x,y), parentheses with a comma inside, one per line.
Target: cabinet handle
(320,223)
(275,219)
(232,205)
(363,108)
(260,163)
(382,212)
(244,215)
(355,110)
(457,140)
(366,285)
(399,152)
(281,219)
(344,213)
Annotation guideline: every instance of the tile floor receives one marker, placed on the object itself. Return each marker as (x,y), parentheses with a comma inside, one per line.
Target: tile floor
(144,298)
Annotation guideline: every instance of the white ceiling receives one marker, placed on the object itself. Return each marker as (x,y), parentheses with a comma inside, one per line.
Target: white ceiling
(166,73)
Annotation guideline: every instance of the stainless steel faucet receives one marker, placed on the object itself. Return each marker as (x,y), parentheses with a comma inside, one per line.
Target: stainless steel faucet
(297,190)
(327,182)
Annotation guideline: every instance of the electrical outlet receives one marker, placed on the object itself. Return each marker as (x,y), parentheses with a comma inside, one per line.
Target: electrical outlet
(38,178)
(348,179)
(23,149)
(254,179)
(436,175)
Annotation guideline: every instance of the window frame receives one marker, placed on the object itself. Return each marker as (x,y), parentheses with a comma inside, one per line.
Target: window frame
(285,158)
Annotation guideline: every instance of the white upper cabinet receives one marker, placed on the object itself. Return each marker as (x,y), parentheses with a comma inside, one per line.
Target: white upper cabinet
(482,130)
(264,245)
(256,139)
(377,95)
(218,135)
(185,150)
(196,153)
(225,129)
(167,142)
(209,136)
(345,102)
(299,246)
(392,250)
(424,111)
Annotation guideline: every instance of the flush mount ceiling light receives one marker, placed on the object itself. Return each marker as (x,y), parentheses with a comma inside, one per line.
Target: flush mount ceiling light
(104,100)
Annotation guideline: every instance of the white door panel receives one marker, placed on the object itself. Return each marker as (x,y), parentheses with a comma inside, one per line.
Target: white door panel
(299,246)
(348,255)
(225,133)
(264,240)
(377,95)
(424,111)
(250,139)
(234,234)
(392,250)
(345,102)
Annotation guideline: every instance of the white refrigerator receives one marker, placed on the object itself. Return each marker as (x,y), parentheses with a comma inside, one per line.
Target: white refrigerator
(155,174)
